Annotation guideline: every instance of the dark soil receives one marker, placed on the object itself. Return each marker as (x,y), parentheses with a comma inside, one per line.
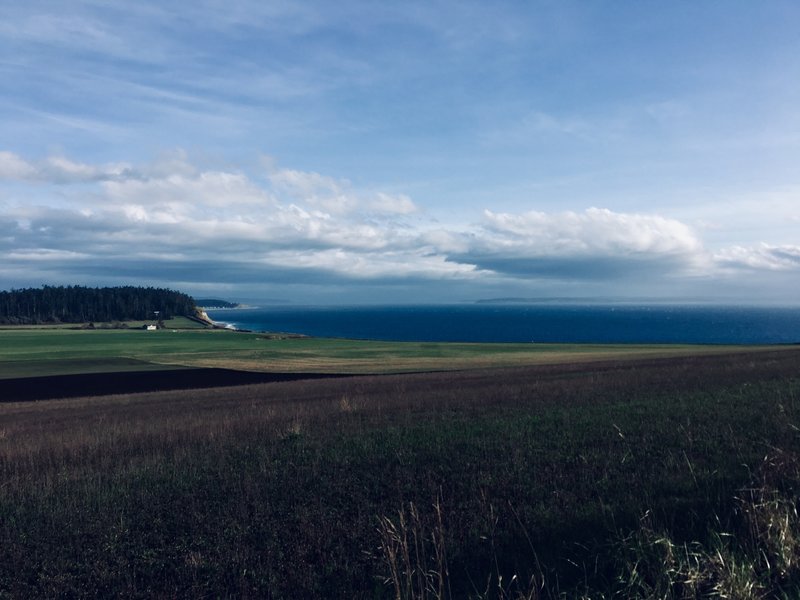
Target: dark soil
(103,384)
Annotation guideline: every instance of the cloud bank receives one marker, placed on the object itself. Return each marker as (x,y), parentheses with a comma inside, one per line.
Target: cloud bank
(591,245)
(172,222)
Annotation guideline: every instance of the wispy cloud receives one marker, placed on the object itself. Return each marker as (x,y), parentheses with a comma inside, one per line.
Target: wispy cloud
(338,196)
(59,169)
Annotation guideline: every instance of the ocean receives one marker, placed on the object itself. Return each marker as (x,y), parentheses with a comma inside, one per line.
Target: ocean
(667,324)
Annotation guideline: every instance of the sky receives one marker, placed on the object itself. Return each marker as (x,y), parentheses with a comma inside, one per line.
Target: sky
(403,152)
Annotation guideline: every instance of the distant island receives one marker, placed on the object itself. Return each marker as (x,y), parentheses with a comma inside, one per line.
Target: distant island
(514,300)
(216,303)
(593,300)
(78,304)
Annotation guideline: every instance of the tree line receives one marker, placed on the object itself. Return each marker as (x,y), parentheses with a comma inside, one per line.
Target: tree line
(77,304)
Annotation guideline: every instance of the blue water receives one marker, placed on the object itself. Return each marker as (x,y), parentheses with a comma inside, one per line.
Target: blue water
(694,324)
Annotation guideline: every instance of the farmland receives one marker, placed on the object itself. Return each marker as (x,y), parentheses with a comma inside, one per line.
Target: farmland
(624,473)
(28,352)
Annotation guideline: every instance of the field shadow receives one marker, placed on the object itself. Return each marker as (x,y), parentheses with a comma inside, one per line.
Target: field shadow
(127,382)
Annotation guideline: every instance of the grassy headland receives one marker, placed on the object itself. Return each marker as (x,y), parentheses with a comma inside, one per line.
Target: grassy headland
(655,478)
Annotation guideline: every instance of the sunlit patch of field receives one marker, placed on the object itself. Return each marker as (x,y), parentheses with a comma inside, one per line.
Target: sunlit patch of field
(375,362)
(32,352)
(321,355)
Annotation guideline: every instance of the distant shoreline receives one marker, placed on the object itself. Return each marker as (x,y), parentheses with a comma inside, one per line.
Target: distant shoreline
(237,307)
(272,334)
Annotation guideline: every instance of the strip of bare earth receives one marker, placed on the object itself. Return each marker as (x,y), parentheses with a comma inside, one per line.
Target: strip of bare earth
(104,384)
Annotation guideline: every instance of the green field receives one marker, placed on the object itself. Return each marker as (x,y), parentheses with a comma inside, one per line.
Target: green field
(26,352)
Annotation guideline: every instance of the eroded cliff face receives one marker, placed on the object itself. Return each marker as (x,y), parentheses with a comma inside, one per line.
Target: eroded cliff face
(203,316)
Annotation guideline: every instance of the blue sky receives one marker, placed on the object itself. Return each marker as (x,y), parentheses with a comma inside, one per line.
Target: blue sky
(403,151)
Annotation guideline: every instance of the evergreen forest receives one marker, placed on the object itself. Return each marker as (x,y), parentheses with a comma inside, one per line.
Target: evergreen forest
(77,304)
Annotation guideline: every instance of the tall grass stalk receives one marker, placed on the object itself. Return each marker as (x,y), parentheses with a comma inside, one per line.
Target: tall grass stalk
(415,554)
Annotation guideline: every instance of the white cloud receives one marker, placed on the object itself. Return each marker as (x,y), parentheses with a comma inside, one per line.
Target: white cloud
(305,184)
(12,167)
(183,194)
(593,245)
(399,204)
(446,242)
(386,265)
(592,231)
(59,169)
(762,258)
(44,255)
(337,196)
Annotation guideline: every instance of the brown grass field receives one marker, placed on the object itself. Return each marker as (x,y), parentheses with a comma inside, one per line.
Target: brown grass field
(597,480)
